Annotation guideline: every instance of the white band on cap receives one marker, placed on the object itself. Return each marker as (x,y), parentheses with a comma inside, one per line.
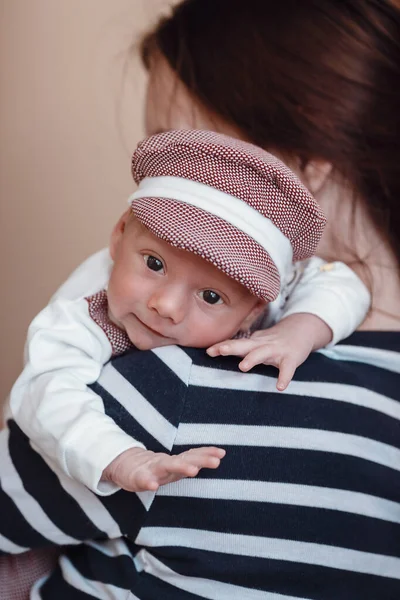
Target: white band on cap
(229,208)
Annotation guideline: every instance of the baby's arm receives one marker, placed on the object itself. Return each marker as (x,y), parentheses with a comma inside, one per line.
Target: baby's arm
(65,420)
(328,303)
(50,401)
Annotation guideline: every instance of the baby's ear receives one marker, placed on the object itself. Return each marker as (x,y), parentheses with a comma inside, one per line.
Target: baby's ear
(117,233)
(257,309)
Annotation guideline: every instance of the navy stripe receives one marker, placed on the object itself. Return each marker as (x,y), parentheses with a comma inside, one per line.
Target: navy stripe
(283,521)
(288,578)
(43,485)
(155,381)
(323,369)
(278,410)
(127,510)
(306,467)
(56,588)
(14,526)
(123,419)
(385,340)
(92,564)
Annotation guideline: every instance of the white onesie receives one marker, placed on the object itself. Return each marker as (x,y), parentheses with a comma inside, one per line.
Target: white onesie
(66,351)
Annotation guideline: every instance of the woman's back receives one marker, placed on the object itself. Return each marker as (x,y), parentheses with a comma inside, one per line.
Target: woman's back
(306,503)
(307,500)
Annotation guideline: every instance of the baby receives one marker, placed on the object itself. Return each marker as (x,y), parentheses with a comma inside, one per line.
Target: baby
(217,242)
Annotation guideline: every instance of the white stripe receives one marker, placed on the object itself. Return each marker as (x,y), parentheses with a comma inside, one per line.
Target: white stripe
(97,589)
(7,545)
(285,493)
(332,557)
(204,588)
(384,359)
(229,208)
(176,359)
(146,498)
(251,382)
(288,437)
(137,406)
(26,504)
(35,591)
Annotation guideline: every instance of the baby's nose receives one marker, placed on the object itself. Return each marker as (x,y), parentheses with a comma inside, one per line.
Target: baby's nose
(169,303)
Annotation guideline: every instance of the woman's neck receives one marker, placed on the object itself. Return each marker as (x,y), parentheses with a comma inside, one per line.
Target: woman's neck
(351,237)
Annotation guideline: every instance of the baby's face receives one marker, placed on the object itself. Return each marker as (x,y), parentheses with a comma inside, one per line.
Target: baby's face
(161,295)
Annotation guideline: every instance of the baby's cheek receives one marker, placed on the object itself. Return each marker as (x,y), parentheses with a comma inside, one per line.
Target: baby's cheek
(116,302)
(229,325)
(120,292)
(217,330)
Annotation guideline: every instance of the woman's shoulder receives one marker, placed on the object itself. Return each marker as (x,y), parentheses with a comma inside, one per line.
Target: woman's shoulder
(363,369)
(369,360)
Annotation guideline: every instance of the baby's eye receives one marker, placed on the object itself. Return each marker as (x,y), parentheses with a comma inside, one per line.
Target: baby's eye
(211,297)
(153,263)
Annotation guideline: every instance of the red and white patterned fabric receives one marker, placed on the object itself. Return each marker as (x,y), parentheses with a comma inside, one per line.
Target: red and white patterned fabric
(18,572)
(273,197)
(98,310)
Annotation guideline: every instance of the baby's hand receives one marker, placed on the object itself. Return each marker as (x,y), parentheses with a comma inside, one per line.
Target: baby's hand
(286,345)
(136,470)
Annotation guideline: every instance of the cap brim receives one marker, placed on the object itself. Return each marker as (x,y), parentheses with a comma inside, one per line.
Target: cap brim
(220,243)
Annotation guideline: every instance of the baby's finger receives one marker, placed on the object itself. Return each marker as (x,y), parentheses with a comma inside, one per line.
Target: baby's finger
(286,371)
(214,350)
(205,451)
(176,465)
(266,334)
(190,462)
(232,348)
(142,482)
(205,457)
(260,355)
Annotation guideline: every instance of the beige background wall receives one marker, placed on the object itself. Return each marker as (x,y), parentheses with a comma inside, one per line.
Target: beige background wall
(67,125)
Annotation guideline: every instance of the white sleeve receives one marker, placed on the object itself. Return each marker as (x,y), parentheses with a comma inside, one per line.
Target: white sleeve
(87,279)
(51,402)
(332,292)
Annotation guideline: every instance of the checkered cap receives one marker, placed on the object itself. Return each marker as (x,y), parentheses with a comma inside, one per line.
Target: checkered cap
(248,209)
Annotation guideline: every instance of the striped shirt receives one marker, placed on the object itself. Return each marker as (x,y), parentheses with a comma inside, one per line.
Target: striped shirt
(306,503)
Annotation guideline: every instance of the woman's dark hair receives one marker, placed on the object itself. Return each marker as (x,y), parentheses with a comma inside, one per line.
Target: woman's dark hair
(308,78)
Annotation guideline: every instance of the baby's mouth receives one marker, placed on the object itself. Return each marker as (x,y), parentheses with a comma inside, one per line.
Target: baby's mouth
(153,331)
